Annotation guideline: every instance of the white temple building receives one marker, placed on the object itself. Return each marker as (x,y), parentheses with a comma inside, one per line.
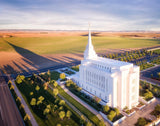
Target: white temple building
(115,82)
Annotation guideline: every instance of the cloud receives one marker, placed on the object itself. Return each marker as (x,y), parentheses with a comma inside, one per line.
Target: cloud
(75,14)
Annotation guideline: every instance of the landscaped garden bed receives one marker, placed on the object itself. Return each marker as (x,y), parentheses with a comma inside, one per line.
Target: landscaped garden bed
(75,68)
(140,105)
(129,112)
(112,114)
(67,71)
(145,87)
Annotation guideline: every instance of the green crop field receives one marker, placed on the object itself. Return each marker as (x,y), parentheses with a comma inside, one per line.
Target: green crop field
(71,44)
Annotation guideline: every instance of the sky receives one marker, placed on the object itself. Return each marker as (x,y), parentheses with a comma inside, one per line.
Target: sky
(103,15)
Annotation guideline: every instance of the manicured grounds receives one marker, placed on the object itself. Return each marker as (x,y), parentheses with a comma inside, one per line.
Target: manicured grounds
(28,86)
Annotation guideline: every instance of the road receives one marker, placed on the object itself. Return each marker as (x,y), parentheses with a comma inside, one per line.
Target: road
(146,74)
(45,69)
(9,114)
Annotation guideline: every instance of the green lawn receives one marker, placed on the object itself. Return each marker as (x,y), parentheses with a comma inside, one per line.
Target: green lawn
(53,118)
(71,44)
(81,108)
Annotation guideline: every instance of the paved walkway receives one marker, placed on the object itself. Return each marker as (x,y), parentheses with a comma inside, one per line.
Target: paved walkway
(145,112)
(26,108)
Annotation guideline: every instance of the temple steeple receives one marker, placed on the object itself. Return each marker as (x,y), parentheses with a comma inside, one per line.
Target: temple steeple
(89,53)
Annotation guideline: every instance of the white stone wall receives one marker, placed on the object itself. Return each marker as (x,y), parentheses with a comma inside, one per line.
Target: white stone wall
(118,87)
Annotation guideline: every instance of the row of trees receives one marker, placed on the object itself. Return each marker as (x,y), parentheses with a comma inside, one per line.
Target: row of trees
(135,54)
(20,106)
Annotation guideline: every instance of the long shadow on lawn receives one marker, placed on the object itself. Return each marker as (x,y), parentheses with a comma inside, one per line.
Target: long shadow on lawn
(37,61)
(29,55)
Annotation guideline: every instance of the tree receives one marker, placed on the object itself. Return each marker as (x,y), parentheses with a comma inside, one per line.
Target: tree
(101,123)
(33,102)
(141,122)
(97,100)
(45,85)
(55,92)
(111,115)
(9,82)
(19,79)
(89,124)
(55,84)
(106,108)
(21,106)
(39,102)
(37,88)
(12,87)
(55,107)
(148,95)
(78,89)
(48,107)
(158,74)
(27,117)
(157,108)
(62,76)
(48,72)
(18,99)
(62,102)
(61,114)
(117,111)
(60,107)
(41,98)
(68,114)
(82,120)
(31,93)
(155,90)
(46,111)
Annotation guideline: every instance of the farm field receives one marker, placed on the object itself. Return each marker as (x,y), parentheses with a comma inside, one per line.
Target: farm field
(23,52)
(71,44)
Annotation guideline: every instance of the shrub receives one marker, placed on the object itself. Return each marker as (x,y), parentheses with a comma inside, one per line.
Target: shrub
(61,114)
(62,76)
(141,122)
(106,108)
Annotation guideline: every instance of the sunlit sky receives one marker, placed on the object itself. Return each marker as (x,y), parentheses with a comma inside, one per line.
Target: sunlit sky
(106,15)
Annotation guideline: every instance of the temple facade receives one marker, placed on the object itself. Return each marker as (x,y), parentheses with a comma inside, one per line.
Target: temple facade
(113,81)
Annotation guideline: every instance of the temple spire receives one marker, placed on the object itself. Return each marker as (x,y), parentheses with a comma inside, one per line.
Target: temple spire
(89,53)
